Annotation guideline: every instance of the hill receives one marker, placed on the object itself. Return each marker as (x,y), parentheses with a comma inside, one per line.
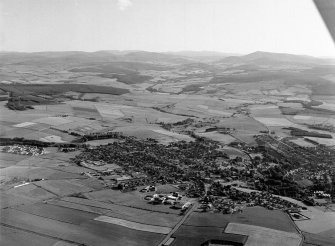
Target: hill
(268,58)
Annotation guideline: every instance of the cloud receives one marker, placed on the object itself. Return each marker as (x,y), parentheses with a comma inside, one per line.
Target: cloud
(123,4)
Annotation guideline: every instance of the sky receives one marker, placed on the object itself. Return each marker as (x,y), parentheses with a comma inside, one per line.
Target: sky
(233,26)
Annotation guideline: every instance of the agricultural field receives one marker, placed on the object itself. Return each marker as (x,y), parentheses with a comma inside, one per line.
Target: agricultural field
(129,199)
(258,236)
(222,138)
(321,222)
(134,225)
(258,216)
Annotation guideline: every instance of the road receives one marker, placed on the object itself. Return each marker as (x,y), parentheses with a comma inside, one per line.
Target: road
(176,227)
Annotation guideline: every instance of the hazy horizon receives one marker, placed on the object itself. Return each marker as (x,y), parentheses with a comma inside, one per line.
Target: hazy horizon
(240,26)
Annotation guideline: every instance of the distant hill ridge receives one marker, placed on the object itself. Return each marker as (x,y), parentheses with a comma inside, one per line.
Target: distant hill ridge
(269,58)
(179,57)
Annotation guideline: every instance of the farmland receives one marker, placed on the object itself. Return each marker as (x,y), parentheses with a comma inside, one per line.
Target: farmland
(243,142)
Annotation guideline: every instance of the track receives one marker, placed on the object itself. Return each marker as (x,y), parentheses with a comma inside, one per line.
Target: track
(176,227)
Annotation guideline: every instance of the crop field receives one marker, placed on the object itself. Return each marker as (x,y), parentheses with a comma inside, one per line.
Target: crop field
(4,129)
(243,124)
(36,135)
(13,237)
(119,211)
(222,138)
(313,239)
(52,138)
(301,97)
(133,199)
(274,219)
(110,110)
(11,157)
(63,136)
(265,111)
(55,109)
(233,151)
(63,187)
(40,161)
(20,132)
(320,221)
(134,225)
(290,105)
(10,200)
(37,127)
(274,121)
(262,236)
(86,112)
(52,89)
(246,137)
(173,134)
(325,141)
(59,156)
(36,172)
(90,232)
(219,112)
(58,213)
(89,206)
(6,163)
(100,142)
(53,121)
(196,235)
(302,117)
(311,119)
(29,191)
(147,131)
(328,106)
(302,142)
(24,124)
